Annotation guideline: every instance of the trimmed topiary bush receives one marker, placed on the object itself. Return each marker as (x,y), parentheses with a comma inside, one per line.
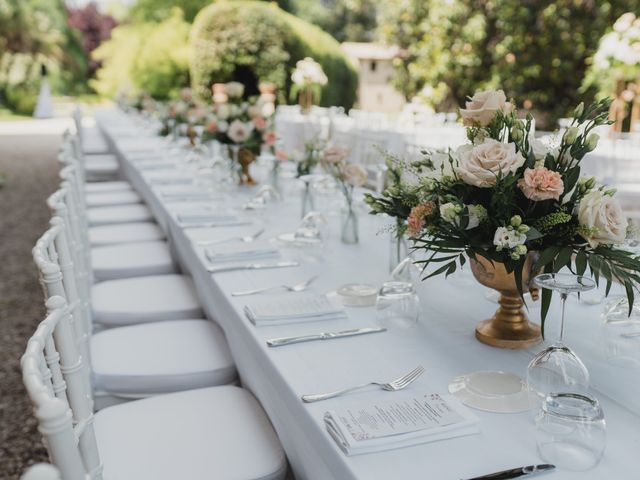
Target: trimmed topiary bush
(252,42)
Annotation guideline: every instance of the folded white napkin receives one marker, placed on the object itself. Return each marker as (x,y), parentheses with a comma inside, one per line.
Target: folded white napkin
(400,419)
(292,309)
(212,218)
(237,252)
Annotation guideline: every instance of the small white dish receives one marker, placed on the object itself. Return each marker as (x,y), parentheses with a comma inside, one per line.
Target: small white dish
(496,392)
(357,295)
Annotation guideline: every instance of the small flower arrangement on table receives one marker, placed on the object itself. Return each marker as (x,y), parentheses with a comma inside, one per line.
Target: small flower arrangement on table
(308,79)
(348,176)
(506,200)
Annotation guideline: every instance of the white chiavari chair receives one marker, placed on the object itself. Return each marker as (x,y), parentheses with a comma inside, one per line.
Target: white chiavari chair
(110,262)
(125,301)
(93,151)
(136,361)
(216,432)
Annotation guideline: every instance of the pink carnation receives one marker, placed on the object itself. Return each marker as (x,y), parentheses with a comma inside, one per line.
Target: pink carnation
(541,184)
(212,127)
(417,217)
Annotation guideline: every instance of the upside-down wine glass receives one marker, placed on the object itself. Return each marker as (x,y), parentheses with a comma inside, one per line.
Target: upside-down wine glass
(557,369)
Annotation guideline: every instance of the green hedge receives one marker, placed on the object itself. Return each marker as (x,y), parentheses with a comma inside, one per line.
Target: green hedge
(153,57)
(251,41)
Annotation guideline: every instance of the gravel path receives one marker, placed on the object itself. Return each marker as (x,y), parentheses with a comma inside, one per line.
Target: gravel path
(30,165)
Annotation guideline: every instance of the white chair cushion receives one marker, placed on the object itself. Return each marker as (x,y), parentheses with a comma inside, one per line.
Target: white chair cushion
(131,260)
(112,198)
(161,357)
(125,233)
(218,433)
(119,214)
(144,299)
(104,187)
(101,164)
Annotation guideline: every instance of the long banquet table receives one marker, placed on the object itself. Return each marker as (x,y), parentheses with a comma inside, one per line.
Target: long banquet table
(443,342)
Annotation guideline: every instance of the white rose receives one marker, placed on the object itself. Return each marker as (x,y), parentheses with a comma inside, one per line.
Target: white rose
(355,175)
(508,238)
(480,165)
(602,215)
(483,106)
(239,131)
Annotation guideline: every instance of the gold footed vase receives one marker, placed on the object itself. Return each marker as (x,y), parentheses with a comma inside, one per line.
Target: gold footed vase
(243,157)
(509,327)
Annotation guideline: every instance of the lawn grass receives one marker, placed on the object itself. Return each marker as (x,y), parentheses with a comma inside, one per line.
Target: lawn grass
(8,115)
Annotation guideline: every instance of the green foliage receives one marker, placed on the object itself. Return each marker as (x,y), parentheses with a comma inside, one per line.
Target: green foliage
(345,20)
(251,42)
(153,57)
(34,33)
(538,51)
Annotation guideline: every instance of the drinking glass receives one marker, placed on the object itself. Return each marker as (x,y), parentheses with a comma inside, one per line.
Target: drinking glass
(570,431)
(621,333)
(397,304)
(557,368)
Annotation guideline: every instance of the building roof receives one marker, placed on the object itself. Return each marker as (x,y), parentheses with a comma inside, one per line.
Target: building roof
(370,51)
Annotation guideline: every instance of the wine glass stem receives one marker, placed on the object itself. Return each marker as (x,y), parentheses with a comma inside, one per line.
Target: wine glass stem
(563,297)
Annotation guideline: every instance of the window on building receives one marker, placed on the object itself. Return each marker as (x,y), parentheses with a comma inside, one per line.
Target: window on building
(373,65)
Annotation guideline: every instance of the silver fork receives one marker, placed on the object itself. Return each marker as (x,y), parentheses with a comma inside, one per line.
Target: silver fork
(245,239)
(393,386)
(300,287)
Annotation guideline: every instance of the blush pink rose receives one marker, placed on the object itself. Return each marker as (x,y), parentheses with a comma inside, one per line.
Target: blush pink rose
(541,184)
(260,123)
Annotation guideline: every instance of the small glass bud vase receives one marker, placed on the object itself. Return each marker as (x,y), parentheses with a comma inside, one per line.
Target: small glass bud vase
(398,246)
(307,198)
(349,223)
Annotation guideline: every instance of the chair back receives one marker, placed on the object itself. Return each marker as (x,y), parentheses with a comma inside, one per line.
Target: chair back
(59,276)
(54,374)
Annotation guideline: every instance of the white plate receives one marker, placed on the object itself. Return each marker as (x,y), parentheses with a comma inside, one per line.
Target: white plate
(497,392)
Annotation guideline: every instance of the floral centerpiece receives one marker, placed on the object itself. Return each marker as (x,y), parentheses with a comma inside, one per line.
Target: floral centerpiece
(348,176)
(243,125)
(515,206)
(308,79)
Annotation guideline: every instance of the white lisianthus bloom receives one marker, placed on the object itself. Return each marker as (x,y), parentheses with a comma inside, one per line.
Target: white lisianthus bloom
(239,131)
(483,106)
(449,212)
(480,165)
(223,126)
(539,149)
(234,110)
(508,238)
(354,175)
(477,214)
(602,218)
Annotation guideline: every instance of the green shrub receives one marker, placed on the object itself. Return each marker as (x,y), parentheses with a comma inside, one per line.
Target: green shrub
(147,56)
(252,41)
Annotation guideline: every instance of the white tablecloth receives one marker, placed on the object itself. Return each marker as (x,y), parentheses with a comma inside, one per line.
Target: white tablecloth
(443,343)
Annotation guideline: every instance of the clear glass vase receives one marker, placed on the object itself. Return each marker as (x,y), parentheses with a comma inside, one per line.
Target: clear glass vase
(398,246)
(308,204)
(349,225)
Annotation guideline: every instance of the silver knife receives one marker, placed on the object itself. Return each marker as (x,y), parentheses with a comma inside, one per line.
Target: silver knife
(278,342)
(517,472)
(252,266)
